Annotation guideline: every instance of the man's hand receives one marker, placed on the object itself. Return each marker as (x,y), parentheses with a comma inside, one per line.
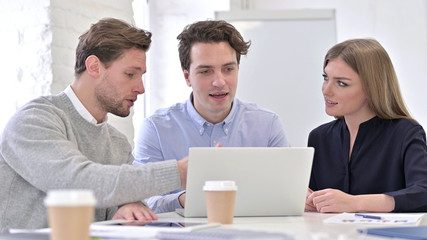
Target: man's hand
(182,168)
(135,211)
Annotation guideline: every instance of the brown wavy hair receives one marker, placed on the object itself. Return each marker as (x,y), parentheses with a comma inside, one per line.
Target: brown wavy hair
(108,39)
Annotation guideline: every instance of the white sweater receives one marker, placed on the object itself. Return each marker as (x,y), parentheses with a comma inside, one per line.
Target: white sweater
(48,145)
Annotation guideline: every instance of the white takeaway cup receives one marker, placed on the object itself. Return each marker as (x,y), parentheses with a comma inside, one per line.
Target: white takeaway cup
(220,201)
(70,213)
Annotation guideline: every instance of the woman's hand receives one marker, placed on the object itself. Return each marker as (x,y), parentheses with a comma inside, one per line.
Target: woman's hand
(331,201)
(309,205)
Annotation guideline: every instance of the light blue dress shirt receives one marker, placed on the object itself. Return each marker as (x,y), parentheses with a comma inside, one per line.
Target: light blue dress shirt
(170,132)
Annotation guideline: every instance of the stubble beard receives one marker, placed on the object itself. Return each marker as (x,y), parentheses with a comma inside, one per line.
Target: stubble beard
(109,99)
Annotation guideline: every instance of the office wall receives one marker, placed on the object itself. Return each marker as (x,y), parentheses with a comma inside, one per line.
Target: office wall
(38,48)
(25,64)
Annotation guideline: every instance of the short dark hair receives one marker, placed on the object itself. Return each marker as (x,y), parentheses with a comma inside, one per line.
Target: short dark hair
(210,31)
(108,39)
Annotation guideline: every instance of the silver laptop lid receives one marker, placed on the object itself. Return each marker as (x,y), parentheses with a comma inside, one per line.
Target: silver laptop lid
(271,181)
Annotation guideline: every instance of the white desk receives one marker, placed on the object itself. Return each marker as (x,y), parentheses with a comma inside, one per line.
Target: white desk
(309,226)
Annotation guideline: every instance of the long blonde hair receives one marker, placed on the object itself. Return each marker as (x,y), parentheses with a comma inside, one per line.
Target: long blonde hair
(372,63)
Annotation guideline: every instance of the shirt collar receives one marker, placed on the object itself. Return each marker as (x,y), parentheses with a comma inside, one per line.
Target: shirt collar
(202,124)
(80,108)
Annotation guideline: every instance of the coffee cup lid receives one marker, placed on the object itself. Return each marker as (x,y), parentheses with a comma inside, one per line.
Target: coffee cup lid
(70,197)
(220,186)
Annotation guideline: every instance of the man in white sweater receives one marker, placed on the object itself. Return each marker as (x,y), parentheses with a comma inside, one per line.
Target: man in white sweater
(64,141)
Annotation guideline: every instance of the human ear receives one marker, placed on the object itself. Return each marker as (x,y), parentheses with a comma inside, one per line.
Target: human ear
(93,65)
(186,75)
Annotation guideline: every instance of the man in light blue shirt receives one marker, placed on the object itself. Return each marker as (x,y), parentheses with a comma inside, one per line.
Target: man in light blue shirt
(210,55)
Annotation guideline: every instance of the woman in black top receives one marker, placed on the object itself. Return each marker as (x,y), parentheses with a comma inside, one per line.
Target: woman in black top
(373,157)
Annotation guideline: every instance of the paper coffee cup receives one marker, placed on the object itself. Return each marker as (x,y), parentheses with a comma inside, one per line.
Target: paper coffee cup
(220,201)
(70,213)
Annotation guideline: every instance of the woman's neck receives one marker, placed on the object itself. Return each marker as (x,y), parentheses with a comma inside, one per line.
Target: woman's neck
(353,123)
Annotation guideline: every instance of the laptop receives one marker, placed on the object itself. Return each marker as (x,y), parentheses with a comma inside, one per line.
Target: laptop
(270,181)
